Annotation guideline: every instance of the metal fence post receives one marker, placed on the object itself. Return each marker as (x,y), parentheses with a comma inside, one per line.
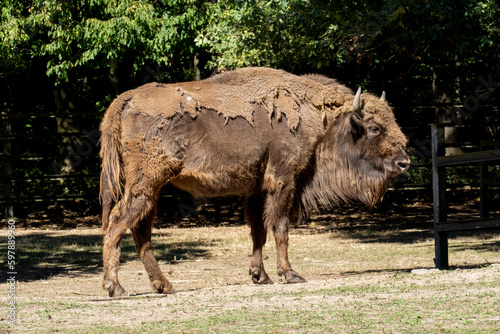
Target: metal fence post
(439,196)
(483,188)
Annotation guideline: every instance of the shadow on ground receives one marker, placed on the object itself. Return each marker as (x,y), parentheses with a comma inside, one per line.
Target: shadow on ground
(41,255)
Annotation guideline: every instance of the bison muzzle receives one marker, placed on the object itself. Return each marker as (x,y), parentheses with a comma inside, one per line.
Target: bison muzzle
(285,143)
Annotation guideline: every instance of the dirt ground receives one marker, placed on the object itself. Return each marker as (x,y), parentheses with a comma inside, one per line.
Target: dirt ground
(353,261)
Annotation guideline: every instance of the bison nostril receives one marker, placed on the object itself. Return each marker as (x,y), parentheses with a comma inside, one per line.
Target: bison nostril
(403,165)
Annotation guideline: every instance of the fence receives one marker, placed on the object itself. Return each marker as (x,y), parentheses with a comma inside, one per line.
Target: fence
(44,164)
(439,163)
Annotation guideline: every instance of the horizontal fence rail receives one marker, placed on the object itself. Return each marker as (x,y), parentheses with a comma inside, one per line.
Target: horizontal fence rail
(467,159)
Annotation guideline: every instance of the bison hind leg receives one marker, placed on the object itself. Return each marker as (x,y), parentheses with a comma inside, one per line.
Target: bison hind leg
(141,233)
(135,212)
(111,254)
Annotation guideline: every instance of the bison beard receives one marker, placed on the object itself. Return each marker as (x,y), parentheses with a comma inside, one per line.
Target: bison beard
(281,141)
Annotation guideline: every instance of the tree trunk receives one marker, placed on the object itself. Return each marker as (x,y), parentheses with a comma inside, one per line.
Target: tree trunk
(65,108)
(197,73)
(113,76)
(444,87)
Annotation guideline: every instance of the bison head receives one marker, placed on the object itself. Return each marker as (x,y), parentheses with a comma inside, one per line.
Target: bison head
(362,151)
(377,135)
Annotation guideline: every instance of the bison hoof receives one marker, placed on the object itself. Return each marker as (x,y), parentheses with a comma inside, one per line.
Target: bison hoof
(292,277)
(163,287)
(259,276)
(263,279)
(115,290)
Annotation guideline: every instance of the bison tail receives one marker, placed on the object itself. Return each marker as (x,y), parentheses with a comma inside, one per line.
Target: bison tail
(110,153)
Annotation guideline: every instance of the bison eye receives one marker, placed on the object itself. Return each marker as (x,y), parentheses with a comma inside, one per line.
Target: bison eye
(374,130)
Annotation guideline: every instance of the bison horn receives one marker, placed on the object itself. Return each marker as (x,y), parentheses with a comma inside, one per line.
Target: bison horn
(356,106)
(382,98)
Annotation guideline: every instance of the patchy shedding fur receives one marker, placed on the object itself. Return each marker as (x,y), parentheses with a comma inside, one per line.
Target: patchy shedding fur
(233,94)
(282,141)
(149,161)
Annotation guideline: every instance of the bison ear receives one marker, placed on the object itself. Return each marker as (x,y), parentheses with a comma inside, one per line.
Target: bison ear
(382,98)
(356,105)
(357,128)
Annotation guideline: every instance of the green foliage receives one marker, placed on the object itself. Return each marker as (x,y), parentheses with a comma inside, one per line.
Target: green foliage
(359,42)
(291,34)
(71,36)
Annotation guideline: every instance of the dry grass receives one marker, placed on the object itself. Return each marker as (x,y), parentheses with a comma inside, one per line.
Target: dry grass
(359,281)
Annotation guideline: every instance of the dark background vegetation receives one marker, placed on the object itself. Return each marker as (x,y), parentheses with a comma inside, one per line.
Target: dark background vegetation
(63,62)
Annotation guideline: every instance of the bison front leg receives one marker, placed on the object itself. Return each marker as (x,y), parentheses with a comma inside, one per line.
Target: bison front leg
(281,236)
(278,212)
(254,207)
(142,237)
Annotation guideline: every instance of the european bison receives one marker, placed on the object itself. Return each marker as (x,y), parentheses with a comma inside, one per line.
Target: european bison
(281,141)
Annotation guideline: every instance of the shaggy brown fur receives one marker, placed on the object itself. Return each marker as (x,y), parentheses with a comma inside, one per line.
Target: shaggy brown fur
(326,81)
(283,142)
